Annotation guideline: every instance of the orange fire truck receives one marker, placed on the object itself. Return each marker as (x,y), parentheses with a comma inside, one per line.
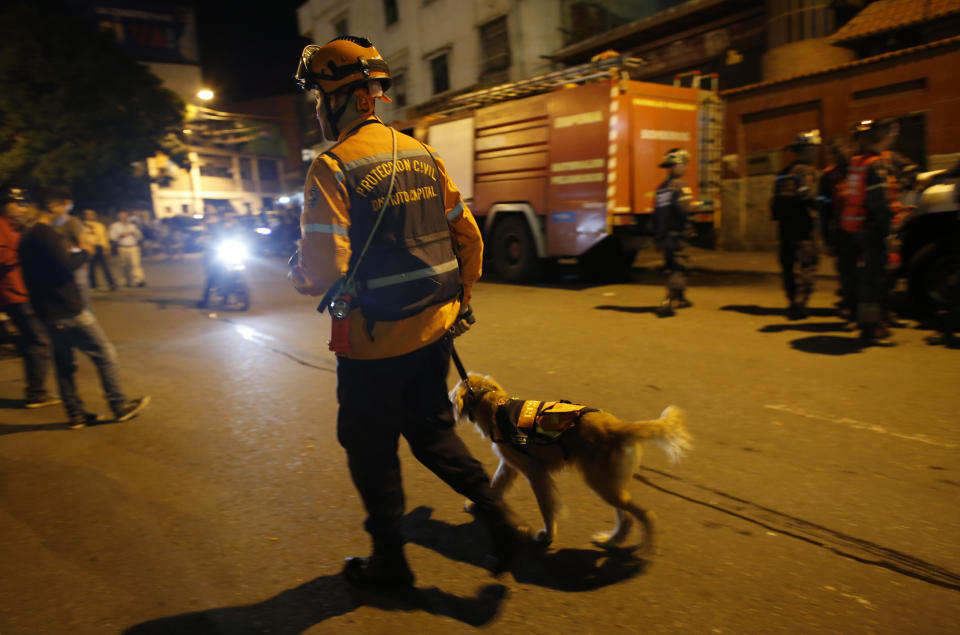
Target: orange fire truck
(564,165)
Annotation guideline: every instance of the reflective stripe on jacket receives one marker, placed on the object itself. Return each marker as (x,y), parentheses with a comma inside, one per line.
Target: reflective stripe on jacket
(672,205)
(410,263)
(326,247)
(855,205)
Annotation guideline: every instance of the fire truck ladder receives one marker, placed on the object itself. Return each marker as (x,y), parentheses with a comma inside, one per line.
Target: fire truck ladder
(604,68)
(710,140)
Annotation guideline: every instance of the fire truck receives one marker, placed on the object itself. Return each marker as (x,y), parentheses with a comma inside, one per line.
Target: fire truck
(564,165)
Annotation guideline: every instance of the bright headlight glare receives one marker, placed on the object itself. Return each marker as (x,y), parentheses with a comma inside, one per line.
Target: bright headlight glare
(264,231)
(232,251)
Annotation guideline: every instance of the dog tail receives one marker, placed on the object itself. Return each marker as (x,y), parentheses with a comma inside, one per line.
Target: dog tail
(669,432)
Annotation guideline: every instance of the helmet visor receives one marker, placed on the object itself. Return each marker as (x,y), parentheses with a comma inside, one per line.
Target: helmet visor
(304,77)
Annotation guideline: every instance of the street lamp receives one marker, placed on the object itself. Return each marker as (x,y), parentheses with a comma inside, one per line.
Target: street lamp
(205,94)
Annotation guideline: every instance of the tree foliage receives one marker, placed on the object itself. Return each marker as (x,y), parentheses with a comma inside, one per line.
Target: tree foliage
(75,110)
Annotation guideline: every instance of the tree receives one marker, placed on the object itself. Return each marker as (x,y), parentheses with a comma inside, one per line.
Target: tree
(75,110)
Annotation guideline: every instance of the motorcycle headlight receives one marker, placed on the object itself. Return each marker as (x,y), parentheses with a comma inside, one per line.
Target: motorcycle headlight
(232,251)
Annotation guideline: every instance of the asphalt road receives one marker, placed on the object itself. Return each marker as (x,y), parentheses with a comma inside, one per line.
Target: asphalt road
(820,495)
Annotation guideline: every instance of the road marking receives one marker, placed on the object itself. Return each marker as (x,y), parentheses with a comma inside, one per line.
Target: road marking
(861,425)
(275,345)
(779,523)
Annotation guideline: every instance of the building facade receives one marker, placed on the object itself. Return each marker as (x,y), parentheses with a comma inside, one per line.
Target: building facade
(438,48)
(236,160)
(790,65)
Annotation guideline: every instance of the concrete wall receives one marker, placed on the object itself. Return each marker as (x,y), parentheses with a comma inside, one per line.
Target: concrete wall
(441,25)
(921,82)
(806,56)
(183,79)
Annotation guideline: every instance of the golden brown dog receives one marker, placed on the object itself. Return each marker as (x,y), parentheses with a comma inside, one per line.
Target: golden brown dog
(605,449)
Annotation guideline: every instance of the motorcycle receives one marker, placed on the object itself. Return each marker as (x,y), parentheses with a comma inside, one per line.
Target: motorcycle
(228,278)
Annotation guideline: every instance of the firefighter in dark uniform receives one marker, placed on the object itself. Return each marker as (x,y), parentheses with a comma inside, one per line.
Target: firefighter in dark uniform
(794,199)
(831,201)
(671,226)
(388,242)
(867,216)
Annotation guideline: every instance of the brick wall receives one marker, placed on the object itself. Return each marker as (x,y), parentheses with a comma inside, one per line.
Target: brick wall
(919,82)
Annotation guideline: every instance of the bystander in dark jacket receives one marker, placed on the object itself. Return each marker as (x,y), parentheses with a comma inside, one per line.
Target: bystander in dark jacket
(49,264)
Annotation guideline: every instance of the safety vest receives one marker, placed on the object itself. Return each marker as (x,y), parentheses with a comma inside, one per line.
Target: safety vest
(410,264)
(854,209)
(671,202)
(522,422)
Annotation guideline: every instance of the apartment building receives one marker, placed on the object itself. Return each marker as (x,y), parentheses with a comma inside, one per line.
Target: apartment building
(439,48)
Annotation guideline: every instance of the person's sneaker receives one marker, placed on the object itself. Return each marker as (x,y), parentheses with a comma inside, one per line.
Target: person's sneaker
(131,409)
(873,333)
(41,402)
(665,309)
(377,571)
(84,420)
(682,303)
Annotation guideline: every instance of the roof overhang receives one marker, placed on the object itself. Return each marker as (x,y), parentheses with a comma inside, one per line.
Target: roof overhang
(627,36)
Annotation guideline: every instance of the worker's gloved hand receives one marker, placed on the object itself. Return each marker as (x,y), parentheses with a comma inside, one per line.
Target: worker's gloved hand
(464,322)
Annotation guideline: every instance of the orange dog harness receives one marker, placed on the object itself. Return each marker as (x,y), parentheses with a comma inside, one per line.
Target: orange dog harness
(521,422)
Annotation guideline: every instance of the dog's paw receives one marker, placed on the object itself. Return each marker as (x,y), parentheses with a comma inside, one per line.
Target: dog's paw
(543,537)
(605,539)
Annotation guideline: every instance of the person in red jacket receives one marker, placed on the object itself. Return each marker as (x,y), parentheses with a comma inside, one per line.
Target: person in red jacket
(32,342)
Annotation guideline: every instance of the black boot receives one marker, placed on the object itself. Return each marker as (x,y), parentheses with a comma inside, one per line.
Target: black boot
(387,567)
(681,301)
(504,536)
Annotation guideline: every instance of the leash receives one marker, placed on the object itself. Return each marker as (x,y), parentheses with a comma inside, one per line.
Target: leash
(461,370)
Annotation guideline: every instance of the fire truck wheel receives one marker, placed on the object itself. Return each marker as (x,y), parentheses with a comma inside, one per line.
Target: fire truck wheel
(513,252)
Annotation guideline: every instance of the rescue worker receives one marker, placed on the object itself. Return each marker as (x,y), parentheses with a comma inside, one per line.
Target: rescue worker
(671,228)
(867,215)
(841,243)
(393,250)
(794,198)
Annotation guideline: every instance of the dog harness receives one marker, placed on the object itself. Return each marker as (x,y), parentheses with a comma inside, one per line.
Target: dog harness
(524,422)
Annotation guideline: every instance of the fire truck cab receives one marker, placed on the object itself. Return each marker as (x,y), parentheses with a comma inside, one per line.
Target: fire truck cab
(565,165)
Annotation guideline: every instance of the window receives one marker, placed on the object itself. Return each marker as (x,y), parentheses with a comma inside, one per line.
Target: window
(399,89)
(215,165)
(268,170)
(341,27)
(246,169)
(438,71)
(390,11)
(495,52)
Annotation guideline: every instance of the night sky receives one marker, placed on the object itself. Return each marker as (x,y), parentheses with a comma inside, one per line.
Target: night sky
(248,53)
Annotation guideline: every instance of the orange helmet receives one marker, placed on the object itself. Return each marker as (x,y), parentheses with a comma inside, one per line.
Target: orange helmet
(340,63)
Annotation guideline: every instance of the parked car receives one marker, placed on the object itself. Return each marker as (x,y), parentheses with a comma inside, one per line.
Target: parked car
(930,243)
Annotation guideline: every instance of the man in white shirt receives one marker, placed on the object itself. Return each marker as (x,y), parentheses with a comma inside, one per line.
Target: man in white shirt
(128,236)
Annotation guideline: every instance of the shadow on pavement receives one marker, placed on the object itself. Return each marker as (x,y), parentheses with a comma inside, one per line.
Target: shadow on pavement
(808,327)
(296,610)
(753,309)
(563,570)
(828,345)
(626,309)
(13,428)
(164,303)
